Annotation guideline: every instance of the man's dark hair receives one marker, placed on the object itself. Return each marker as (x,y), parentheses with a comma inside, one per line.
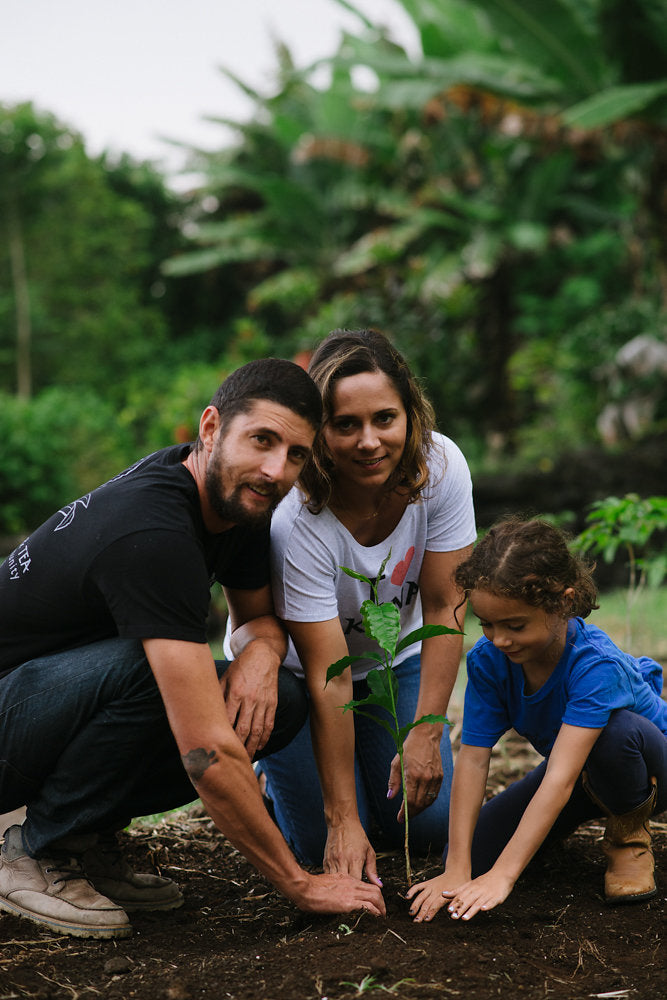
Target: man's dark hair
(273,379)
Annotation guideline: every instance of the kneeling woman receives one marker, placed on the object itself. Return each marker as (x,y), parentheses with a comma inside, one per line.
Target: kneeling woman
(381,480)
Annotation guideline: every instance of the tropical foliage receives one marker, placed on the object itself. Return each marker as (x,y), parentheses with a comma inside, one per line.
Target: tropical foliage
(491,206)
(496,204)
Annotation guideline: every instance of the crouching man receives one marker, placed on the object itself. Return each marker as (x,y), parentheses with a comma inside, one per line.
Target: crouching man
(111,704)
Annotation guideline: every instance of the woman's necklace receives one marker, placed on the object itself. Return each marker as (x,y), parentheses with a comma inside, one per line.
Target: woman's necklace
(344,509)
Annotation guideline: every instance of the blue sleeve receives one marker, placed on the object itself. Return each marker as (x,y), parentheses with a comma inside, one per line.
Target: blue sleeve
(485,710)
(651,671)
(595,690)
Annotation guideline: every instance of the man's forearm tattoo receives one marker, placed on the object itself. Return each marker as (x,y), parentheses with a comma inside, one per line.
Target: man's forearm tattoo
(197,761)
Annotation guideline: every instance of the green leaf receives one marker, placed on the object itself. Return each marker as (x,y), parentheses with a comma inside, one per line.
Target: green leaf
(404,730)
(382,692)
(337,668)
(614,104)
(425,632)
(356,576)
(497,73)
(551,34)
(382,622)
(383,686)
(357,708)
(292,290)
(384,564)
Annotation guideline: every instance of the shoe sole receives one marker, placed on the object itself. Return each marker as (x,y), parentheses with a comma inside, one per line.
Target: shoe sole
(66,926)
(137,906)
(639,897)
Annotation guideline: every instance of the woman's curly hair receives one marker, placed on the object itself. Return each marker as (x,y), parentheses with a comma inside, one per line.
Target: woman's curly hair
(530,561)
(352,352)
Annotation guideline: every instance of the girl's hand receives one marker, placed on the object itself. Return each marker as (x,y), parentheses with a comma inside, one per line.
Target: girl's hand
(481,893)
(349,851)
(428,897)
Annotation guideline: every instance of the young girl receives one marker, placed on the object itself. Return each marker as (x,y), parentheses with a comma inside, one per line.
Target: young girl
(593,711)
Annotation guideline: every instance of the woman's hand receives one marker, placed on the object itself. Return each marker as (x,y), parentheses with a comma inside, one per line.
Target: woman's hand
(348,850)
(423,770)
(481,893)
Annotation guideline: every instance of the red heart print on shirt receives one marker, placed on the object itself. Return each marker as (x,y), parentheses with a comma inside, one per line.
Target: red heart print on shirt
(401,568)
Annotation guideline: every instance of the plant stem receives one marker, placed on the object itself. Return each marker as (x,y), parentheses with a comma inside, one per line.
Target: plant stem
(399,748)
(408,870)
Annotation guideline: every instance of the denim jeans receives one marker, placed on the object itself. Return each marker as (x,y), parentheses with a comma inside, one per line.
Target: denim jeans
(85,743)
(294,788)
(628,753)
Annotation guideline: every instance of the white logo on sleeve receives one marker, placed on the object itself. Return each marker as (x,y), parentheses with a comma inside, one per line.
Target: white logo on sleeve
(69,512)
(19,561)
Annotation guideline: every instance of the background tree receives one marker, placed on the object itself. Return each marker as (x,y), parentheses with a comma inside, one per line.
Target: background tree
(462,206)
(79,259)
(496,205)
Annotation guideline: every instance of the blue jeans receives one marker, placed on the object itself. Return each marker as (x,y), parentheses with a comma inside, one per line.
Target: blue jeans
(294,788)
(85,743)
(628,753)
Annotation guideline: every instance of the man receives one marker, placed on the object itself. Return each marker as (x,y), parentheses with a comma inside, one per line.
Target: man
(111,704)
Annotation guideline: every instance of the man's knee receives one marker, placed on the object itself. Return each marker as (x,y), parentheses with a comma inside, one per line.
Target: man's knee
(292,698)
(291,713)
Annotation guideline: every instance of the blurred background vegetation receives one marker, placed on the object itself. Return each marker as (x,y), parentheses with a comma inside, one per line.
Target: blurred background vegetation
(497,206)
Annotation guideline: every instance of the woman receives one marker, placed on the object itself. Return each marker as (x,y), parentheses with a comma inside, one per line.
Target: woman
(381,479)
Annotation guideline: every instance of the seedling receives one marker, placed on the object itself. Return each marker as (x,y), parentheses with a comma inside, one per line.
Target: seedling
(382,623)
(632,523)
(370,983)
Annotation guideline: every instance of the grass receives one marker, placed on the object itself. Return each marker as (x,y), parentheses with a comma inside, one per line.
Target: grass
(648,635)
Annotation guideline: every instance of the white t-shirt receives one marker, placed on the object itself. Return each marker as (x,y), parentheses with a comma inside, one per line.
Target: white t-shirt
(308,550)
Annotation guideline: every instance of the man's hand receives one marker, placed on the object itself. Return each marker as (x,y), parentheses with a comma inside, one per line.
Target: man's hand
(348,851)
(340,893)
(423,770)
(250,689)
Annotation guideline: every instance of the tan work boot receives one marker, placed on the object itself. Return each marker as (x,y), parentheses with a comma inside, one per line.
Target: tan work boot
(55,893)
(627,844)
(110,874)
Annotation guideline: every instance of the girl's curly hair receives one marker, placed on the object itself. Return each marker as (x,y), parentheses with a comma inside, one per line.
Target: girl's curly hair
(350,352)
(530,561)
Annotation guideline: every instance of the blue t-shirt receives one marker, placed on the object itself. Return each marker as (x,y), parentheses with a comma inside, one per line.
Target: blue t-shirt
(592,679)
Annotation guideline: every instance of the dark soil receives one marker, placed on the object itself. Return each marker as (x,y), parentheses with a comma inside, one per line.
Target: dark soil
(236,937)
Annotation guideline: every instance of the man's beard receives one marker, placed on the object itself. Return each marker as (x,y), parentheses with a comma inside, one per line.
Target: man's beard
(231,507)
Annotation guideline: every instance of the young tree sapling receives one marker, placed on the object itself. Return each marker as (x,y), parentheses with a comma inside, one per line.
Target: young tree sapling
(382,623)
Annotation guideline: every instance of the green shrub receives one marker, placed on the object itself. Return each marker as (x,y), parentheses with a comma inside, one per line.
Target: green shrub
(54,448)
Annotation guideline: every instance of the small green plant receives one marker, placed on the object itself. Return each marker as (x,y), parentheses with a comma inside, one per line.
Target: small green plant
(631,523)
(370,983)
(382,623)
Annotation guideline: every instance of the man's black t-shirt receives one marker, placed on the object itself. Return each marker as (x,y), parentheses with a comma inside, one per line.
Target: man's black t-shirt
(132,559)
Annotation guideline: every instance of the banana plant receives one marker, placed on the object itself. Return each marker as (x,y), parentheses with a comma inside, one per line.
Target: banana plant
(382,624)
